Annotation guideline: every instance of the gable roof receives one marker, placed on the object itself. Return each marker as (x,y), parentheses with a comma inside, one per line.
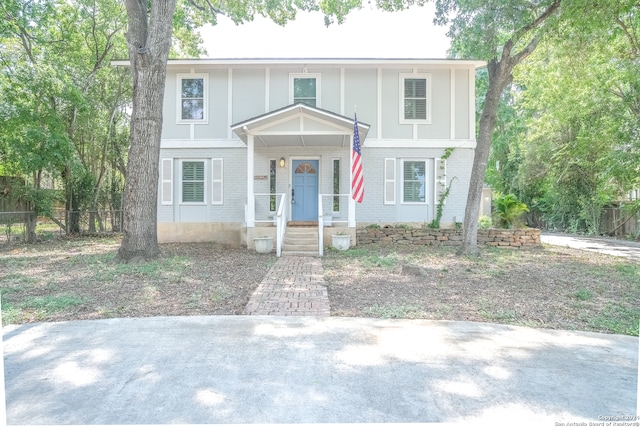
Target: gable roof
(300,124)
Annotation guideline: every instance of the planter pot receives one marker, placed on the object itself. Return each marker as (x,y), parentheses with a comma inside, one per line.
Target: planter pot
(264,245)
(341,241)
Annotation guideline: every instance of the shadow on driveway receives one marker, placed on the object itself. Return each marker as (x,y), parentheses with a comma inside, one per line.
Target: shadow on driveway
(254,369)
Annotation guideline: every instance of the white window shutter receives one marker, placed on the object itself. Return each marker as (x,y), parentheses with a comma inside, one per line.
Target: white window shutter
(217,174)
(167,181)
(390,181)
(441,179)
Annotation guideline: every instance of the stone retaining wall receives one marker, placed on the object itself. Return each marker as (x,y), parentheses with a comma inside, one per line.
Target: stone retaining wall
(514,239)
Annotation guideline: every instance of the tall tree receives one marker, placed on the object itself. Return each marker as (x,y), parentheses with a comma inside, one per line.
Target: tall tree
(149,41)
(580,94)
(61,104)
(504,33)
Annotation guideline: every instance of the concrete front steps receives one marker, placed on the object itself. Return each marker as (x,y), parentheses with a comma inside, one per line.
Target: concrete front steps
(300,241)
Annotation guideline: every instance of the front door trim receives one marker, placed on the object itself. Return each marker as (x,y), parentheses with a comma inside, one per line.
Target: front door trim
(291,172)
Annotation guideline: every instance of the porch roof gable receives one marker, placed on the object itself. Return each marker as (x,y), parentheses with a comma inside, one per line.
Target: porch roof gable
(300,125)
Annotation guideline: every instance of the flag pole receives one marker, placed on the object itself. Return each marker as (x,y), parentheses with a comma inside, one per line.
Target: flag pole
(350,201)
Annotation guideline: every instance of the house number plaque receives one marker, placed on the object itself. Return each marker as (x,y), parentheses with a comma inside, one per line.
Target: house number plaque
(260,177)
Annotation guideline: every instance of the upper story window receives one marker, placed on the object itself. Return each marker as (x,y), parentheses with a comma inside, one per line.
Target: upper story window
(305,88)
(192,98)
(415,90)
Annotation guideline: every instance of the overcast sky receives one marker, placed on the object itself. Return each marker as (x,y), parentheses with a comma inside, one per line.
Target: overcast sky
(367,33)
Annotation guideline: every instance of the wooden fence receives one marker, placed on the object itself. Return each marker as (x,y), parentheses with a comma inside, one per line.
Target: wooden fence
(13,225)
(618,223)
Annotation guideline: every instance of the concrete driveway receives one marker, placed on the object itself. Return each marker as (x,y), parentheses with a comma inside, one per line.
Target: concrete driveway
(259,369)
(621,248)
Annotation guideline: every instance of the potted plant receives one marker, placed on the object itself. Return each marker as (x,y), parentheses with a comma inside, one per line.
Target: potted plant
(264,245)
(341,241)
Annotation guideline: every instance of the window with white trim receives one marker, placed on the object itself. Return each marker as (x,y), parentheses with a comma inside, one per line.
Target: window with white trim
(414,181)
(193,181)
(272,186)
(305,88)
(192,98)
(415,102)
(336,185)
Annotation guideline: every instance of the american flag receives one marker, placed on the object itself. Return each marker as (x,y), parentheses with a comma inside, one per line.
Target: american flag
(357,180)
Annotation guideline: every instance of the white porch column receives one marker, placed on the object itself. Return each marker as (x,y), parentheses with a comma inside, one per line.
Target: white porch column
(352,202)
(251,201)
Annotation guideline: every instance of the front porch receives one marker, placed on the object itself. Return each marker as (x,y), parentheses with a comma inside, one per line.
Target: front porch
(281,229)
(299,171)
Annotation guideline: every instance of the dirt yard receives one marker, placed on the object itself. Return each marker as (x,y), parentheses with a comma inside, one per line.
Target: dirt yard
(548,287)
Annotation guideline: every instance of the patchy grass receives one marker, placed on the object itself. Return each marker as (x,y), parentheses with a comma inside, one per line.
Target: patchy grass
(583,294)
(551,287)
(38,308)
(617,318)
(391,311)
(72,279)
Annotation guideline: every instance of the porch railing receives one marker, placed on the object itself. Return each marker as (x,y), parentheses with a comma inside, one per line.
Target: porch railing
(336,208)
(265,207)
(281,223)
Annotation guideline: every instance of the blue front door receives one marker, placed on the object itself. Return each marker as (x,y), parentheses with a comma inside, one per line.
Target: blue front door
(304,194)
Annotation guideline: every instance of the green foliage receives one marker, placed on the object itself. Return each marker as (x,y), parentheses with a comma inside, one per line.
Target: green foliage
(390,311)
(485,221)
(481,29)
(583,294)
(442,197)
(616,318)
(38,307)
(567,139)
(509,210)
(64,108)
(435,223)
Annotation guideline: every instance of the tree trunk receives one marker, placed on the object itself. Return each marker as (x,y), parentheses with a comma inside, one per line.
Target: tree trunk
(149,40)
(499,78)
(32,222)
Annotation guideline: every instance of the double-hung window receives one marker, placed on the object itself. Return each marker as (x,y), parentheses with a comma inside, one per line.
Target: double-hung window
(336,185)
(415,90)
(305,88)
(193,179)
(414,181)
(273,203)
(192,98)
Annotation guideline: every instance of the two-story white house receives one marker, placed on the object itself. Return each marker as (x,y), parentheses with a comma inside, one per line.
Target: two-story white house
(253,147)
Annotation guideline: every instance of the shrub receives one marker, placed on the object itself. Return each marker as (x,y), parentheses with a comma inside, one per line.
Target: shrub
(509,211)
(485,221)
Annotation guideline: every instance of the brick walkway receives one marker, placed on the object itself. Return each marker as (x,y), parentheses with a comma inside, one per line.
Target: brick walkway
(294,286)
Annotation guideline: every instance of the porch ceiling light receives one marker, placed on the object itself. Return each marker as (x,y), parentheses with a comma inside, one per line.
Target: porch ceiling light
(281,162)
